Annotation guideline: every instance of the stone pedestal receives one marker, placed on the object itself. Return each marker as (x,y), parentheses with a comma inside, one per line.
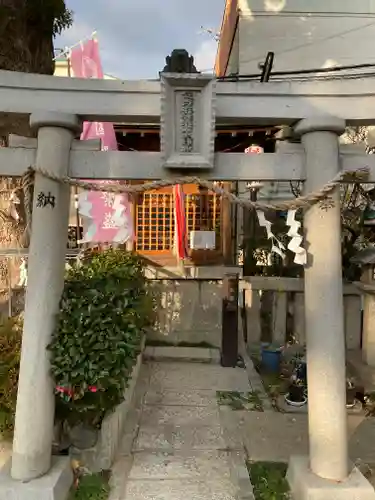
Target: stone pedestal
(52,486)
(307,486)
(33,435)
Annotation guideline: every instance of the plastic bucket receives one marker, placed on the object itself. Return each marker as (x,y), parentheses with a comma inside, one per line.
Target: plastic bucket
(271,360)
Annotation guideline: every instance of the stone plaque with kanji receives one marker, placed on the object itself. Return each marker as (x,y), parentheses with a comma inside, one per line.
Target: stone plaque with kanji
(187,132)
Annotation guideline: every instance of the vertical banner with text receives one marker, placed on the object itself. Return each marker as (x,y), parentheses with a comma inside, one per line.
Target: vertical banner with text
(108,216)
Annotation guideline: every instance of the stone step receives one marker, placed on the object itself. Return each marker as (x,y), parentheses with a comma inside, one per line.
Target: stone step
(179,489)
(171,437)
(170,397)
(191,416)
(179,465)
(189,354)
(185,376)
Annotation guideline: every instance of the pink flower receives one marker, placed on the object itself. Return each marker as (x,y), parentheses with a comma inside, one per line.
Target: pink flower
(64,390)
(92,388)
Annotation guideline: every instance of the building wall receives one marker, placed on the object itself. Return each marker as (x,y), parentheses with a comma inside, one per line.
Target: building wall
(188,311)
(228,28)
(234,61)
(305,35)
(61,67)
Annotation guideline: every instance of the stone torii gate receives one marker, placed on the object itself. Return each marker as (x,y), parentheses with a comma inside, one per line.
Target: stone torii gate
(187,106)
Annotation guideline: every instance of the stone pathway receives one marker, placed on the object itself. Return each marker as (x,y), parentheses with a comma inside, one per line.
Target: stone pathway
(180,450)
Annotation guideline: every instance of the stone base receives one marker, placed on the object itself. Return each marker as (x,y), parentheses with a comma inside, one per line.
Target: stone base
(304,485)
(55,485)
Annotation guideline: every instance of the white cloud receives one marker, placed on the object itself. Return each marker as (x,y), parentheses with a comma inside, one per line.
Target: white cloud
(204,57)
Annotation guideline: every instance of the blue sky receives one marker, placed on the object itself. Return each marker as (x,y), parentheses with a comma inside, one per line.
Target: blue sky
(135,36)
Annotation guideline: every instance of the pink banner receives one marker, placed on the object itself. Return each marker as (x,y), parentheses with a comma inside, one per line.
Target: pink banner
(180,222)
(109,215)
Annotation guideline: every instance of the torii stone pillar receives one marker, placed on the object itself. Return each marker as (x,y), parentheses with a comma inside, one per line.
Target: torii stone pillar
(328,467)
(33,435)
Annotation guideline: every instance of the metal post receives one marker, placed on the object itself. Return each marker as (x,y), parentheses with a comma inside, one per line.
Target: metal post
(229,340)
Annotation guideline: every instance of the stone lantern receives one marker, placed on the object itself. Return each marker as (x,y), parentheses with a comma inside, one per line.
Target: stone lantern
(366,259)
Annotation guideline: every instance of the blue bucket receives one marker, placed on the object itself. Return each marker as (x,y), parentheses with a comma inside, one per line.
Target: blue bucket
(271,359)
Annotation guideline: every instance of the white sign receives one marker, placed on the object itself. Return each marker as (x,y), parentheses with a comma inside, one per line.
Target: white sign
(203,240)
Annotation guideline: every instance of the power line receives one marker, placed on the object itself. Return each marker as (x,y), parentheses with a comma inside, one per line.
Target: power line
(335,69)
(350,15)
(323,78)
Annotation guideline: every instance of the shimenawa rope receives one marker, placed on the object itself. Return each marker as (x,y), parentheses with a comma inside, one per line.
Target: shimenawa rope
(359,175)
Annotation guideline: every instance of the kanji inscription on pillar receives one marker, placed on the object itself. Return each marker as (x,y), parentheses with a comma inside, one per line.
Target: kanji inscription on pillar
(45,200)
(187,132)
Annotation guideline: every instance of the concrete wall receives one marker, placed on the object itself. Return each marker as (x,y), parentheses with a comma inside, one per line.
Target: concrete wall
(286,310)
(227,30)
(305,34)
(188,311)
(233,63)
(189,303)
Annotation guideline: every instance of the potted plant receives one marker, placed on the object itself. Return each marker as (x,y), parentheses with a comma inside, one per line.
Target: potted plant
(300,369)
(296,394)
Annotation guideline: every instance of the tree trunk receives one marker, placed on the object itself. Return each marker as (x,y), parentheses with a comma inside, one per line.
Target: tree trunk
(25,45)
(27,28)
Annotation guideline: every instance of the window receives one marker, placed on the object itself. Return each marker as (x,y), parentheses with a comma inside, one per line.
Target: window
(155,222)
(203,213)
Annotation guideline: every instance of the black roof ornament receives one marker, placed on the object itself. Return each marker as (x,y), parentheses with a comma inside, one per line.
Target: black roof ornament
(179,62)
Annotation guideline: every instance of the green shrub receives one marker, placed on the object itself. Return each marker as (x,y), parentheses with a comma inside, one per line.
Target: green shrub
(91,487)
(104,310)
(10,355)
(268,480)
